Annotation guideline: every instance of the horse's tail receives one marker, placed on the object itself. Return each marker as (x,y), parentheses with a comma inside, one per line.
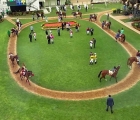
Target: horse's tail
(99,74)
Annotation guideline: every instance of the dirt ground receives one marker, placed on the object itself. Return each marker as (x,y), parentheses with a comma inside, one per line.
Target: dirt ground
(131,79)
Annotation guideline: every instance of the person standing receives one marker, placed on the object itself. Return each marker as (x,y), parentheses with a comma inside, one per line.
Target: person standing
(31,28)
(71,33)
(46,32)
(110,103)
(86,8)
(103,23)
(76,27)
(62,25)
(46,18)
(91,44)
(9,33)
(107,16)
(30,37)
(33,16)
(48,38)
(121,31)
(34,35)
(51,38)
(91,31)
(88,30)
(58,31)
(94,42)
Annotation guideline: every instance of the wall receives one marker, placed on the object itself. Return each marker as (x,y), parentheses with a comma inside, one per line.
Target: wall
(35,4)
(3,4)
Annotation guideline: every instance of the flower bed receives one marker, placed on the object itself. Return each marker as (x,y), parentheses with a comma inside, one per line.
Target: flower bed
(136,25)
(55,25)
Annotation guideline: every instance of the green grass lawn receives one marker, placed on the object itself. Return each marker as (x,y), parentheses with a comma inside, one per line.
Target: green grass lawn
(65,64)
(18,104)
(131,36)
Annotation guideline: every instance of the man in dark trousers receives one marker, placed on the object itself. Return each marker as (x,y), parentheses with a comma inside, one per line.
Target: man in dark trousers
(30,36)
(94,42)
(91,31)
(46,32)
(109,103)
(49,39)
(62,25)
(58,31)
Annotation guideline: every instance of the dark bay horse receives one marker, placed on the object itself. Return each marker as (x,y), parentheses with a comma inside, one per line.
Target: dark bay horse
(131,60)
(63,14)
(13,58)
(40,15)
(122,38)
(26,75)
(92,17)
(107,25)
(76,14)
(13,31)
(107,72)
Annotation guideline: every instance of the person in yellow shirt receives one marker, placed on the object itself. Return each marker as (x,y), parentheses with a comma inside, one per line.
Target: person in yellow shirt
(93,58)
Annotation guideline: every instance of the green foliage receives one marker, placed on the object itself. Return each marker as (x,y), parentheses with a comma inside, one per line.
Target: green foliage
(68,2)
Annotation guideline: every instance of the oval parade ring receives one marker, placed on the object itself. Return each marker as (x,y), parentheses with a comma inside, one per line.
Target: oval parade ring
(131,79)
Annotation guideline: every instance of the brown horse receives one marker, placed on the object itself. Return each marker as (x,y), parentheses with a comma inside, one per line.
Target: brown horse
(40,15)
(122,38)
(76,14)
(13,31)
(27,75)
(131,60)
(107,25)
(13,58)
(63,14)
(92,17)
(107,72)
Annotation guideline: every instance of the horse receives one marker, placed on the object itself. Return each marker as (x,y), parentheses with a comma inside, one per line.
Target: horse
(63,14)
(77,13)
(13,31)
(122,38)
(130,60)
(108,72)
(40,15)
(18,24)
(107,25)
(13,58)
(92,17)
(26,75)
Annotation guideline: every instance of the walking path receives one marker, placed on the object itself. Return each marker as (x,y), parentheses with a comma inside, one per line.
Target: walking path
(131,79)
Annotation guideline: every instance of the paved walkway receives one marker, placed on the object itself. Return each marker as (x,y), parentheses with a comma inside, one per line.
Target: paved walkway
(127,24)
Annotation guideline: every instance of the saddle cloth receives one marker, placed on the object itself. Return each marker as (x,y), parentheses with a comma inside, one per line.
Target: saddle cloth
(110,72)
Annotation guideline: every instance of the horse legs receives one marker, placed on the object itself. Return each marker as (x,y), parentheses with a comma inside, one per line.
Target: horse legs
(110,78)
(116,79)
(20,77)
(100,79)
(27,80)
(13,63)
